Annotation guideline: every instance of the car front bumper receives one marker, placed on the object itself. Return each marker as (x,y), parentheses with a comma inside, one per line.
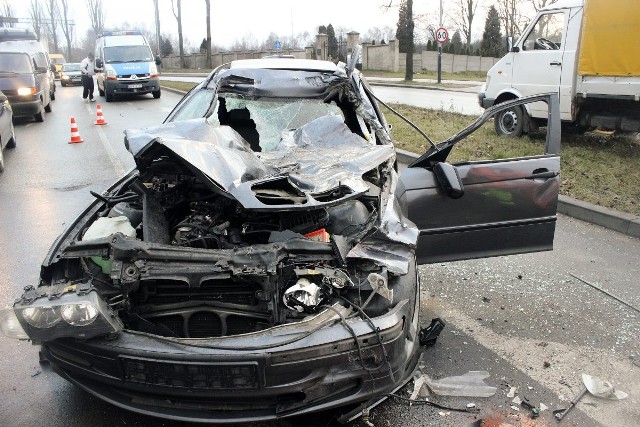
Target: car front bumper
(25,106)
(128,87)
(146,374)
(484,101)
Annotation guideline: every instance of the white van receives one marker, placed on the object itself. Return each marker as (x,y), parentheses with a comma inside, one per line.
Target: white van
(128,66)
(584,50)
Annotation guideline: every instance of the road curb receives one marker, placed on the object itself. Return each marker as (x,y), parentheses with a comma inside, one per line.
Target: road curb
(621,222)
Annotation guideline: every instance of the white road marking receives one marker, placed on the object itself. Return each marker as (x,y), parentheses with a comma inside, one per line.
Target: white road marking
(115,162)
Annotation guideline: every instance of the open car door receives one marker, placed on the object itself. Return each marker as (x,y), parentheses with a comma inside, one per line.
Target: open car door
(484,208)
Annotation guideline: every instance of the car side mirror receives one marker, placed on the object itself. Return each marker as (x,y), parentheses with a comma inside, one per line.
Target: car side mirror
(449,180)
(99,63)
(158,60)
(42,70)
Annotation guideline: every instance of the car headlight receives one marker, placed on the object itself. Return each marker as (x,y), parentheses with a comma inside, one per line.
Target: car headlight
(111,74)
(64,77)
(77,311)
(23,91)
(41,317)
(10,324)
(80,314)
(153,70)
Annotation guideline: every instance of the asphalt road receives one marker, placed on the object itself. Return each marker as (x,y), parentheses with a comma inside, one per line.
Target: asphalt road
(509,316)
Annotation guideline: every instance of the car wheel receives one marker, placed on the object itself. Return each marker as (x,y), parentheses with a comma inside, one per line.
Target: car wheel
(100,91)
(108,97)
(510,122)
(53,95)
(156,94)
(48,108)
(40,115)
(63,85)
(12,141)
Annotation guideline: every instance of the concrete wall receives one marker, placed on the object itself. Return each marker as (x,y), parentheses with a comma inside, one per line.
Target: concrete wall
(199,60)
(428,61)
(381,57)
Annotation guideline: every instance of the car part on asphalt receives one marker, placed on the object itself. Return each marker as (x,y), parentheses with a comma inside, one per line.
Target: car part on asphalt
(559,414)
(596,387)
(430,334)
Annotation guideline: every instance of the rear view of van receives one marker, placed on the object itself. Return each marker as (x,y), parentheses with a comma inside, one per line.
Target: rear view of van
(25,74)
(127,65)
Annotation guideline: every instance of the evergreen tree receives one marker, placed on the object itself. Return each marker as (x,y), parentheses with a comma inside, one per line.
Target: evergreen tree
(429,45)
(456,43)
(333,42)
(404,33)
(491,38)
(203,46)
(322,29)
(166,48)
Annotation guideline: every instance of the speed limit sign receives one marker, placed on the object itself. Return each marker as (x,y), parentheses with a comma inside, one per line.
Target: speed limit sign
(442,35)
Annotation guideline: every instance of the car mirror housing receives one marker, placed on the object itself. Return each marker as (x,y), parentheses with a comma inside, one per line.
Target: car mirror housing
(449,179)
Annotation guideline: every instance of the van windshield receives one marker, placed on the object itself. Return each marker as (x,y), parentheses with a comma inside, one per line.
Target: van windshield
(139,53)
(15,63)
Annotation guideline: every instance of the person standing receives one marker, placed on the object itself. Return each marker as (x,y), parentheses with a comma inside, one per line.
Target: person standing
(88,70)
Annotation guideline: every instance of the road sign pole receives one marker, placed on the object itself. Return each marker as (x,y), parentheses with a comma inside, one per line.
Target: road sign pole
(439,63)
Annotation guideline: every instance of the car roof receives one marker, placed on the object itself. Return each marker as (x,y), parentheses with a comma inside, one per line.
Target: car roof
(285,64)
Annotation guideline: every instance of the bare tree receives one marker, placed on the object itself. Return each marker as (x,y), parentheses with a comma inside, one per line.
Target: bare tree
(538,5)
(7,11)
(465,12)
(512,17)
(178,16)
(67,25)
(35,12)
(52,23)
(96,15)
(208,6)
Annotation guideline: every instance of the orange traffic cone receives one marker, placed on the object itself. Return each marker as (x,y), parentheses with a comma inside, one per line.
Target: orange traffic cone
(75,135)
(99,119)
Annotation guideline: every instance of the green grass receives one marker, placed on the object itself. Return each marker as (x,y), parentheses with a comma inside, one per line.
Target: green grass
(603,170)
(186,70)
(185,86)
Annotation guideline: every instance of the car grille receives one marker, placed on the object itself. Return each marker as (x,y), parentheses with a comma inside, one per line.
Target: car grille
(222,376)
(139,76)
(169,292)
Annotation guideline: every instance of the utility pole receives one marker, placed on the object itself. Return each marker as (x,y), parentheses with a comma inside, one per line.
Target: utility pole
(158,50)
(440,50)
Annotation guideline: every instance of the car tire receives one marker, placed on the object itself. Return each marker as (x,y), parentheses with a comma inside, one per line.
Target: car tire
(53,95)
(48,107)
(12,141)
(100,91)
(510,122)
(156,94)
(108,97)
(40,115)
(62,84)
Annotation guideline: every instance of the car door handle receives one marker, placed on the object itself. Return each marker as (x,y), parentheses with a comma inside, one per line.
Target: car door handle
(555,63)
(543,174)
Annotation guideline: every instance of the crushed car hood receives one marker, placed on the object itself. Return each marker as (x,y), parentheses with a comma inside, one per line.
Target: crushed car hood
(320,163)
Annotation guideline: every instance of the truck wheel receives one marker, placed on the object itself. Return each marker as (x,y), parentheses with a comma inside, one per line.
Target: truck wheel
(509,122)
(47,108)
(100,91)
(108,97)
(156,94)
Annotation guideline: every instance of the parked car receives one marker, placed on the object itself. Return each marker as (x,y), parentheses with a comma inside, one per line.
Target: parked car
(260,261)
(7,133)
(26,84)
(71,74)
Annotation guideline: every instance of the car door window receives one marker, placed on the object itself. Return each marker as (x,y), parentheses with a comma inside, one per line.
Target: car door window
(546,34)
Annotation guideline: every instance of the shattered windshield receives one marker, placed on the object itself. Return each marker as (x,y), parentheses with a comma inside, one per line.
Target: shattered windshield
(268,124)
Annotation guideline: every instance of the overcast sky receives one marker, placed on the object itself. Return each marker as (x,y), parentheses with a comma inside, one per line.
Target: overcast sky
(231,20)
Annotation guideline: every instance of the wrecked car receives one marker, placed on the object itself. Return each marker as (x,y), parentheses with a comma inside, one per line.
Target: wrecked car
(260,261)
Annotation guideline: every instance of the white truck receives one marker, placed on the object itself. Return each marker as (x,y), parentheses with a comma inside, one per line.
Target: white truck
(584,50)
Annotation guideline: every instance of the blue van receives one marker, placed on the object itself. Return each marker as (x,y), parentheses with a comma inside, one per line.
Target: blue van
(126,64)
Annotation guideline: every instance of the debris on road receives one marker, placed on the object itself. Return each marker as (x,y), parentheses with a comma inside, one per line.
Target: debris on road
(470,384)
(35,374)
(596,387)
(512,392)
